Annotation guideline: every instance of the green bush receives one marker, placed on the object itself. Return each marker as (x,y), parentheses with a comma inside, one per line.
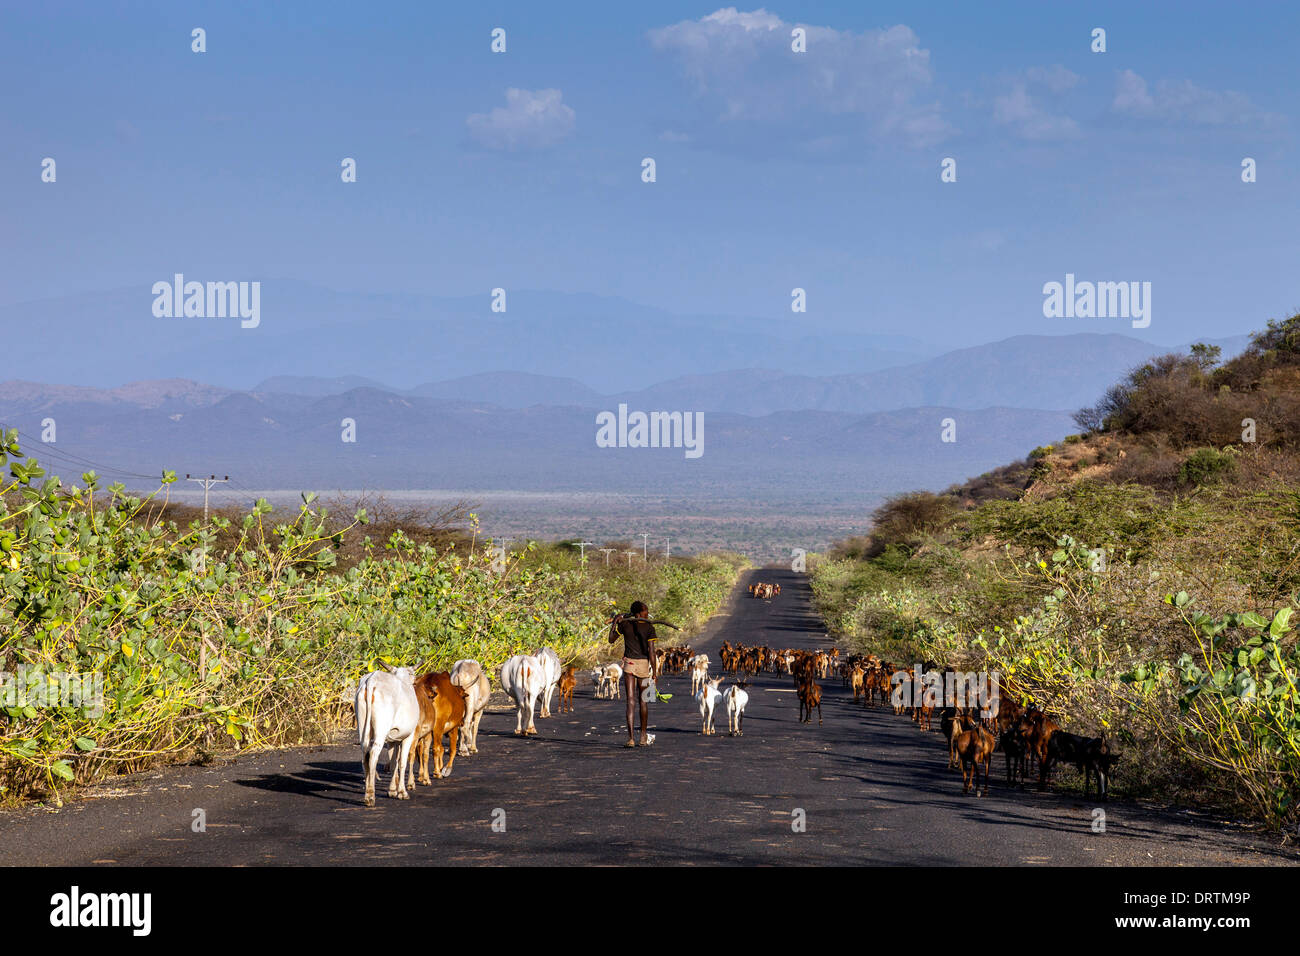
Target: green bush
(1206,466)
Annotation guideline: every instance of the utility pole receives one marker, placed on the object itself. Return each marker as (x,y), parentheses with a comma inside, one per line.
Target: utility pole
(630,556)
(582,550)
(607,552)
(645,543)
(207,483)
(668,551)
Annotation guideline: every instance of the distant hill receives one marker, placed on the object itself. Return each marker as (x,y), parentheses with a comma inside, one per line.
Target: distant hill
(1028,371)
(511,390)
(314,386)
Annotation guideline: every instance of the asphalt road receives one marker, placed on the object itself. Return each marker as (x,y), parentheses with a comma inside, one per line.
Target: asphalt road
(868,787)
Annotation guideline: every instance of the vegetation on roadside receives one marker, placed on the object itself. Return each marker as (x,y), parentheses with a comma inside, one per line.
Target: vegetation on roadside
(1139,577)
(247,631)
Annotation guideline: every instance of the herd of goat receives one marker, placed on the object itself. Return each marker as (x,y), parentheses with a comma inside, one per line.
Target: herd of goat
(411,715)
(1026,735)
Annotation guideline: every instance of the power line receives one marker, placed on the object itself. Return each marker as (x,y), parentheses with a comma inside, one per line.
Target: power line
(67,458)
(74,459)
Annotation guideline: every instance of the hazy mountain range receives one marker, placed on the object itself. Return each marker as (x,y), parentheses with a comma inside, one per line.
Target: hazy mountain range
(268,440)
(1028,371)
(608,345)
(766,432)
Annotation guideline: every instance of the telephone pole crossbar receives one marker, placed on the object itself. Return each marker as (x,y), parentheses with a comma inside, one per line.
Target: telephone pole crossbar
(207,484)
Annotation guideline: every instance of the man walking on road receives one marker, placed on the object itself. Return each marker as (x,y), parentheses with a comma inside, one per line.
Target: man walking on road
(640,663)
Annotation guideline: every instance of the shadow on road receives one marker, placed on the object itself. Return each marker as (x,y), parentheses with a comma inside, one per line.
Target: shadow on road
(333,780)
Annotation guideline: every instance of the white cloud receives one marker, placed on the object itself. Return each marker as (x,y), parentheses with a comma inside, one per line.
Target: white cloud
(746,76)
(1057,78)
(531,119)
(1131,95)
(1029,106)
(1184,103)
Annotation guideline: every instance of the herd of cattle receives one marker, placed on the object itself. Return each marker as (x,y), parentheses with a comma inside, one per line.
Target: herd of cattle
(411,715)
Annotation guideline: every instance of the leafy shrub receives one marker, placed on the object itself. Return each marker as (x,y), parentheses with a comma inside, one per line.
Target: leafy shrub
(902,519)
(1207,465)
(1237,703)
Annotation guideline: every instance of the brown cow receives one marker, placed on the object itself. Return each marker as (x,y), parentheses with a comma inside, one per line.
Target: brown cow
(443,706)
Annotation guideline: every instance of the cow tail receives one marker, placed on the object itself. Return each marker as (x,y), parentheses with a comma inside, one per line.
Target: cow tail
(364,708)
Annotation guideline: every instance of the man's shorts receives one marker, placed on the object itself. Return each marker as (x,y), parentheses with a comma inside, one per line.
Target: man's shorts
(637,668)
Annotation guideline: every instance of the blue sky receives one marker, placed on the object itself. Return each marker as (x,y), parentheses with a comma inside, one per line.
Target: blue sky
(775,170)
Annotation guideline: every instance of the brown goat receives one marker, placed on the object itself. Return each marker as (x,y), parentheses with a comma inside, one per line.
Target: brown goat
(855,681)
(952,722)
(568,681)
(810,696)
(975,747)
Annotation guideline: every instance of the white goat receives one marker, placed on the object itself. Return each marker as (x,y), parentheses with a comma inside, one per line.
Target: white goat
(699,671)
(708,698)
(608,678)
(735,697)
(387,713)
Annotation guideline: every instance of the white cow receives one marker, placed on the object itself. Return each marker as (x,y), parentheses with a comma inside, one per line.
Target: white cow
(387,713)
(708,698)
(735,697)
(521,678)
(551,670)
(469,674)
